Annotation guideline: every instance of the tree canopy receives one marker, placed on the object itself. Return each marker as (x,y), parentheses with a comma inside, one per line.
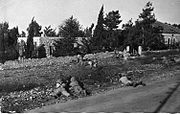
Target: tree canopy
(34,29)
(143,32)
(70,28)
(49,32)
(112,20)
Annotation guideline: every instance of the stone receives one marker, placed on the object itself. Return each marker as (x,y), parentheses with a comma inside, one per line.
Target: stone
(128,48)
(140,50)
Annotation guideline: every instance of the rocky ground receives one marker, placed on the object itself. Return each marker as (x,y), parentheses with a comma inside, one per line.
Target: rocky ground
(28,85)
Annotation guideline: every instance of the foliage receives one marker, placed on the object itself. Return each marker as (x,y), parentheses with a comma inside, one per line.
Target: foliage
(111,22)
(3,28)
(64,46)
(151,36)
(97,40)
(126,32)
(143,33)
(176,25)
(106,34)
(33,30)
(99,27)
(23,34)
(70,28)
(8,42)
(84,46)
(88,31)
(49,32)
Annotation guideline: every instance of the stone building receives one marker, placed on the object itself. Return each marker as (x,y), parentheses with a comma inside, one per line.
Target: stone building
(48,43)
(171,34)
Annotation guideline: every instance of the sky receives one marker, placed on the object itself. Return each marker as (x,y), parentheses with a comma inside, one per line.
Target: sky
(54,12)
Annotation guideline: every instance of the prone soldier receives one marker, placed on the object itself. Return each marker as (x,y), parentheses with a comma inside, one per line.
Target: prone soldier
(60,89)
(76,88)
(125,81)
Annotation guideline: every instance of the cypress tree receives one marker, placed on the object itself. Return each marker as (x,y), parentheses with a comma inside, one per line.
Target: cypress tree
(2,48)
(99,27)
(97,39)
(33,30)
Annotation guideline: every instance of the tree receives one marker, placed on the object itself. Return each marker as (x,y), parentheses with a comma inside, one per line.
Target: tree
(150,36)
(13,36)
(176,25)
(23,34)
(146,19)
(8,42)
(128,25)
(88,31)
(97,39)
(111,22)
(49,32)
(99,27)
(64,47)
(3,29)
(34,29)
(70,28)
(144,33)
(127,34)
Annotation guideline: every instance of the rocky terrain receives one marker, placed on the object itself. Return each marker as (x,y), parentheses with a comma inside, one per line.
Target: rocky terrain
(28,85)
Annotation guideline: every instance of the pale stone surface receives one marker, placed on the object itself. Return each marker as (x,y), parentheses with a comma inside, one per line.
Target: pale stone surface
(140,50)
(128,48)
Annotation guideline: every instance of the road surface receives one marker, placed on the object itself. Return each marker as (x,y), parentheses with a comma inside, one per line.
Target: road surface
(161,96)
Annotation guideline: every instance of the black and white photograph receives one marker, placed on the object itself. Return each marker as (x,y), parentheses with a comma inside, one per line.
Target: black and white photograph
(89,56)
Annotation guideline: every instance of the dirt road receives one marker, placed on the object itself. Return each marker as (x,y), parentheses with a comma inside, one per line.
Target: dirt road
(161,96)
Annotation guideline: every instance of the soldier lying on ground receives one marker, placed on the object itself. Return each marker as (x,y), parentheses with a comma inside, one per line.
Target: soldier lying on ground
(76,87)
(125,81)
(60,89)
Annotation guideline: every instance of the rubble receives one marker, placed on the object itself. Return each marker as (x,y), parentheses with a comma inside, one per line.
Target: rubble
(96,79)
